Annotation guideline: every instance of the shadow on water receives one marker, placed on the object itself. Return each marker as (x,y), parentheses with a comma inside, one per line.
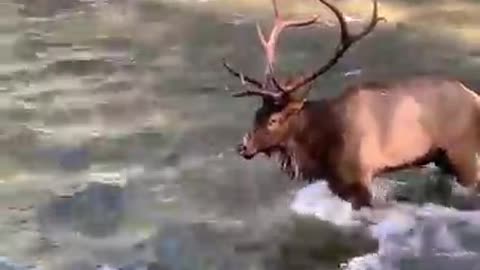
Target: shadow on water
(99,211)
(298,244)
(136,89)
(96,211)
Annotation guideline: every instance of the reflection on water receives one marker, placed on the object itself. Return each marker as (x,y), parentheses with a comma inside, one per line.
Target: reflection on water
(117,131)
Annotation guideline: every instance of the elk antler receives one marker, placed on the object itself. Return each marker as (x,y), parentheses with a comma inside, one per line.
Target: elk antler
(269,46)
(281,93)
(346,41)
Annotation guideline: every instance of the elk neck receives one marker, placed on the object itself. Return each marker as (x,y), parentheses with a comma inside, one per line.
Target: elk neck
(315,138)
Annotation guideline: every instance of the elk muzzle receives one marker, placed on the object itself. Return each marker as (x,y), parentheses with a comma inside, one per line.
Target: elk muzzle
(246,149)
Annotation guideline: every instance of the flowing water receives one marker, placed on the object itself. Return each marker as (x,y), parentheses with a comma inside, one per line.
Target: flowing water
(117,128)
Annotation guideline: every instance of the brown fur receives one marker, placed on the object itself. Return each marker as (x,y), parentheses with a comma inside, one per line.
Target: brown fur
(371,129)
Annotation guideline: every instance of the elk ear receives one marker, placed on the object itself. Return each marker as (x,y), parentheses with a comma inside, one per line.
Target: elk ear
(300,94)
(294,107)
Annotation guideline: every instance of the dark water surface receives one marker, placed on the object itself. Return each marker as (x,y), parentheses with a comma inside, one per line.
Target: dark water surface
(117,130)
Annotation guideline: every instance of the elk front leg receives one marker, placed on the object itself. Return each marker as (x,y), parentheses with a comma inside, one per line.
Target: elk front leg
(361,196)
(464,162)
(356,192)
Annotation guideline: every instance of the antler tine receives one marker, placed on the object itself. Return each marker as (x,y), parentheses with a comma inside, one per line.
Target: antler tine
(262,93)
(241,76)
(346,41)
(270,44)
(251,92)
(276,96)
(275,8)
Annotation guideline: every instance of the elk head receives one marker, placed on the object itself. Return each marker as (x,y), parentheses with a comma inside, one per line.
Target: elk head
(274,122)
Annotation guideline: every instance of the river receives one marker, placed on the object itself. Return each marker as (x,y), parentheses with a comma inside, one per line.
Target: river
(118,127)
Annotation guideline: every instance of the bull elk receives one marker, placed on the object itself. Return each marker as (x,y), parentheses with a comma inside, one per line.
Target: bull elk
(369,129)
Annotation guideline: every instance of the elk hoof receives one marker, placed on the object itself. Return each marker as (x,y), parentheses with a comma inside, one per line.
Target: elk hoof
(358,202)
(356,205)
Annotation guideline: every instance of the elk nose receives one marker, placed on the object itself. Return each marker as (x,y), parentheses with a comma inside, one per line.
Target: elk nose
(241,149)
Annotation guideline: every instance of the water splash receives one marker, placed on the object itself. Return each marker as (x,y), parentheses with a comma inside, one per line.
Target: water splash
(409,236)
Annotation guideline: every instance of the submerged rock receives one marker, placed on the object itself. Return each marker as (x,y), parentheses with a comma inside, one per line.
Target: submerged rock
(96,211)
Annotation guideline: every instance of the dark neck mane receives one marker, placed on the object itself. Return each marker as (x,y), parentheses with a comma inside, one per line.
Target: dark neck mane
(306,155)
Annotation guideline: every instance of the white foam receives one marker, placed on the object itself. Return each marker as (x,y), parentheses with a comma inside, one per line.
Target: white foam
(409,236)
(317,200)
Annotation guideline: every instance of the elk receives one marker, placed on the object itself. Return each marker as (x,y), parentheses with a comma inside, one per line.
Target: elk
(371,128)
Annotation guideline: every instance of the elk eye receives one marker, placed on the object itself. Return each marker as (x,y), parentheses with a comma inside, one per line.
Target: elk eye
(273,121)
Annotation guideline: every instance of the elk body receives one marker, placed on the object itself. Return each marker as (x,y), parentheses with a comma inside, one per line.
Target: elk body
(370,129)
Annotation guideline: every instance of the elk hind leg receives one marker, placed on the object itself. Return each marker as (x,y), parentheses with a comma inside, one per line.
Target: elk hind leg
(464,164)
(441,185)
